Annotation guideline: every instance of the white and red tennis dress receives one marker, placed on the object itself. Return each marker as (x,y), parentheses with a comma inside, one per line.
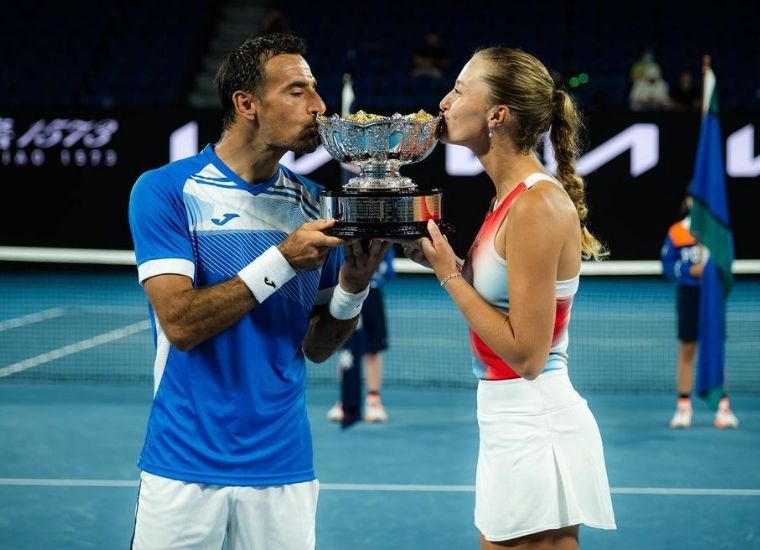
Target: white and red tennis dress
(541,462)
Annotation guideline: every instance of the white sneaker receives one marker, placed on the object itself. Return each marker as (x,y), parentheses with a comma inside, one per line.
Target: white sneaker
(374,411)
(335,414)
(683,414)
(725,417)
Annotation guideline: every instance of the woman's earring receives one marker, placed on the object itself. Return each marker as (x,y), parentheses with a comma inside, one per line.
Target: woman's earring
(490,133)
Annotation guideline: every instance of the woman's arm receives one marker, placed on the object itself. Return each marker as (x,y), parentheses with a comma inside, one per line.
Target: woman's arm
(533,239)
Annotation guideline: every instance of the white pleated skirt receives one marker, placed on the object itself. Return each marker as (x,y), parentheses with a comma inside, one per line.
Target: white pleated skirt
(541,461)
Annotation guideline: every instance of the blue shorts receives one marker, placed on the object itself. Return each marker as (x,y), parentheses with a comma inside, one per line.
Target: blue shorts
(688,313)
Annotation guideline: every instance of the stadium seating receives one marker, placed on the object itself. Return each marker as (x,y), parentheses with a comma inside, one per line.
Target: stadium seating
(88,53)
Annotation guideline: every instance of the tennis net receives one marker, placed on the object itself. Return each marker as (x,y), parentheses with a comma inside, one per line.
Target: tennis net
(80,316)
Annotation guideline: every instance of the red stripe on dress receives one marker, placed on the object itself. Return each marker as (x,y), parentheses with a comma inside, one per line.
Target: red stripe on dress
(561,318)
(496,367)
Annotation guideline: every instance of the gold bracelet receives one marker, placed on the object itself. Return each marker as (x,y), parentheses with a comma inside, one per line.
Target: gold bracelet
(448,277)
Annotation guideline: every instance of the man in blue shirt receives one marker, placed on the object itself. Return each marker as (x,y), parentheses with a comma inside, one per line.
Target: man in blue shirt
(243,285)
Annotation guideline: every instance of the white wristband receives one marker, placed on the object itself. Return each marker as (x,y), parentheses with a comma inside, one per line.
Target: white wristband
(267,274)
(344,305)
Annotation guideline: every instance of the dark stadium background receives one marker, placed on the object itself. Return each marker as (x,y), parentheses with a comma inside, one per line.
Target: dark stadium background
(68,67)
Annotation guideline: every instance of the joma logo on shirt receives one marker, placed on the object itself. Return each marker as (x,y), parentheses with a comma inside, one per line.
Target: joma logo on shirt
(227,217)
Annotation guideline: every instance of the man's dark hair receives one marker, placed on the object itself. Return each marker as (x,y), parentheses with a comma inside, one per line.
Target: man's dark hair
(243,67)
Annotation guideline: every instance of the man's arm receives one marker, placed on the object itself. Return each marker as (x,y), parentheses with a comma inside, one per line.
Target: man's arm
(326,332)
(189,316)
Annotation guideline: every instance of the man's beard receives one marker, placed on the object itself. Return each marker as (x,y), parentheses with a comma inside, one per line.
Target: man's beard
(305,143)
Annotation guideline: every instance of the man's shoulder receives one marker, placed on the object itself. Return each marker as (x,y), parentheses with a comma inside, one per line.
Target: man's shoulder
(311,186)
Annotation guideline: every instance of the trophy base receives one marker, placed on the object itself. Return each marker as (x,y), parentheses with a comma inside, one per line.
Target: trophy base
(389,231)
(382,213)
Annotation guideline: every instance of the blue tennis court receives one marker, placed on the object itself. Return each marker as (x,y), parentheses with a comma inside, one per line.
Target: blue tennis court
(75,390)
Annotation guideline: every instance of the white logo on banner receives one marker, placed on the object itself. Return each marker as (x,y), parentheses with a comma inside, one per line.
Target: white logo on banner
(76,142)
(642,140)
(306,164)
(741,161)
(183,142)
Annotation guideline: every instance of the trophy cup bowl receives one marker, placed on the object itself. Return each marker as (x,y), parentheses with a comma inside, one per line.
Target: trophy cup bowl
(380,202)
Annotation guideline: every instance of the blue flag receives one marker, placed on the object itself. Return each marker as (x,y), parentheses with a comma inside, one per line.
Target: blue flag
(711,226)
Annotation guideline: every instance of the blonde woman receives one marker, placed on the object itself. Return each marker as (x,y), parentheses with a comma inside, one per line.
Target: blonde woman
(541,471)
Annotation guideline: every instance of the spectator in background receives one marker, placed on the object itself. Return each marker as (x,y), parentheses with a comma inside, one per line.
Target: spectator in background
(682,260)
(363,352)
(431,57)
(273,21)
(650,92)
(685,94)
(640,66)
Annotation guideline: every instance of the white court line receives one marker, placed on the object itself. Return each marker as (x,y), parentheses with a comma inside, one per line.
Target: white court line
(471,489)
(684,491)
(30,482)
(76,347)
(397,487)
(393,488)
(36,317)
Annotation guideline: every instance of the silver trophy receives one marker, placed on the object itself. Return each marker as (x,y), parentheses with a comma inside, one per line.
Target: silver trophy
(380,202)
